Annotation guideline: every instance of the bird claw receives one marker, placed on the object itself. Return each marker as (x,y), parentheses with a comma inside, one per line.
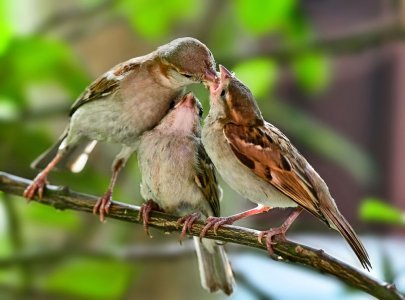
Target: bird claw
(215,222)
(144,212)
(37,186)
(269,234)
(187,222)
(103,205)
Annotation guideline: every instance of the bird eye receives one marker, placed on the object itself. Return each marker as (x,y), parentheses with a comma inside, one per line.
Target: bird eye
(223,93)
(200,112)
(186,75)
(172,104)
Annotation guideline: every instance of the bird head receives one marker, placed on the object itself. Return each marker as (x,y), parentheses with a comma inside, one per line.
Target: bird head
(232,101)
(184,118)
(187,61)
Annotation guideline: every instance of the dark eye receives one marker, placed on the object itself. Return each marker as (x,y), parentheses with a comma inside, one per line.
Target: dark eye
(223,93)
(200,112)
(186,75)
(172,104)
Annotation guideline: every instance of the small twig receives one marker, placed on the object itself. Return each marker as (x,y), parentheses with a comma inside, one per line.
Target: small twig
(73,15)
(347,44)
(63,198)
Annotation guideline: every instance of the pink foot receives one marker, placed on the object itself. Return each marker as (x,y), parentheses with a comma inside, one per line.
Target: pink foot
(144,212)
(103,204)
(37,186)
(187,222)
(269,234)
(216,222)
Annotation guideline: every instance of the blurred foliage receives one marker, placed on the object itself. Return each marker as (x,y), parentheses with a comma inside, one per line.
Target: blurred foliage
(90,278)
(50,60)
(376,210)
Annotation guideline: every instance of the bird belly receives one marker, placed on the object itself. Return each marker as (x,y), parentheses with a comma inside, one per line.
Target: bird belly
(168,169)
(239,177)
(111,119)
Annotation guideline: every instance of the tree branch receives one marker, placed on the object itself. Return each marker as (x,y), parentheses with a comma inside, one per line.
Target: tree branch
(347,44)
(63,198)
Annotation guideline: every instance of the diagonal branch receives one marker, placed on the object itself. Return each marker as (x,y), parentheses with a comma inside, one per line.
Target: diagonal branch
(63,198)
(348,44)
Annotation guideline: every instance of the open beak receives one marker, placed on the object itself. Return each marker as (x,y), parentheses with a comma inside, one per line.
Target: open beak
(225,75)
(210,76)
(188,100)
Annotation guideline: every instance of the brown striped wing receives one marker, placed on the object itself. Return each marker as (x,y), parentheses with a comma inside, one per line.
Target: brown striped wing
(269,154)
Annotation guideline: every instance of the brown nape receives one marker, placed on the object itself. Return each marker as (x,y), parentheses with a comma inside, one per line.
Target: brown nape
(243,109)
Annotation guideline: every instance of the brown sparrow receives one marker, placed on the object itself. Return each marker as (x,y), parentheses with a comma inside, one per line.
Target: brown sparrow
(259,162)
(179,178)
(120,105)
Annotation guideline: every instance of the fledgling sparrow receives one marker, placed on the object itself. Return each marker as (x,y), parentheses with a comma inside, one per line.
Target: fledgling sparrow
(121,104)
(179,178)
(259,162)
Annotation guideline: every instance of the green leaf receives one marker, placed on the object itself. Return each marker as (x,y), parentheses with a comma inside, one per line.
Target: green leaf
(155,18)
(375,210)
(8,109)
(5,27)
(47,216)
(259,74)
(261,17)
(312,71)
(31,60)
(90,278)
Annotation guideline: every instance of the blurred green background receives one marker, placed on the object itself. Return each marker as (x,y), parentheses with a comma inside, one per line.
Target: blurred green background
(328,73)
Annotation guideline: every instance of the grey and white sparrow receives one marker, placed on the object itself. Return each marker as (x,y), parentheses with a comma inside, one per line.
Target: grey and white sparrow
(121,104)
(179,178)
(259,162)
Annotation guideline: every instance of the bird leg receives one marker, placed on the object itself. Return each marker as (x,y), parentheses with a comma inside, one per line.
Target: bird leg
(103,204)
(187,222)
(144,212)
(216,222)
(279,230)
(39,183)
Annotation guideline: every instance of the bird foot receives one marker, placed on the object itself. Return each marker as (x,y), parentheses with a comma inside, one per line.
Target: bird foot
(36,187)
(216,222)
(144,212)
(187,222)
(269,234)
(103,204)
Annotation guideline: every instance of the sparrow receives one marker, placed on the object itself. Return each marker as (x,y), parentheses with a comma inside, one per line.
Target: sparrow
(120,105)
(259,162)
(179,178)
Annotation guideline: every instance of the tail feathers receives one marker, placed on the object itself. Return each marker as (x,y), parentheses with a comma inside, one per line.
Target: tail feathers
(215,269)
(338,222)
(74,156)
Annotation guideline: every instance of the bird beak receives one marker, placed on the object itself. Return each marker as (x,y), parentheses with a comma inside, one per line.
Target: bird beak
(225,73)
(225,76)
(210,76)
(188,100)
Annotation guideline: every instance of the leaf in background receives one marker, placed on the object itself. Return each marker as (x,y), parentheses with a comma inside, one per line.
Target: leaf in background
(259,74)
(375,210)
(312,71)
(31,60)
(155,18)
(261,17)
(90,278)
(8,109)
(49,217)
(5,28)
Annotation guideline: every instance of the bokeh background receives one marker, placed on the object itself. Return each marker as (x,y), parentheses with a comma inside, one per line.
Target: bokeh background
(329,73)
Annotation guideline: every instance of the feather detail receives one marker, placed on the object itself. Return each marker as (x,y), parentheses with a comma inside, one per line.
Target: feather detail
(206,180)
(271,156)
